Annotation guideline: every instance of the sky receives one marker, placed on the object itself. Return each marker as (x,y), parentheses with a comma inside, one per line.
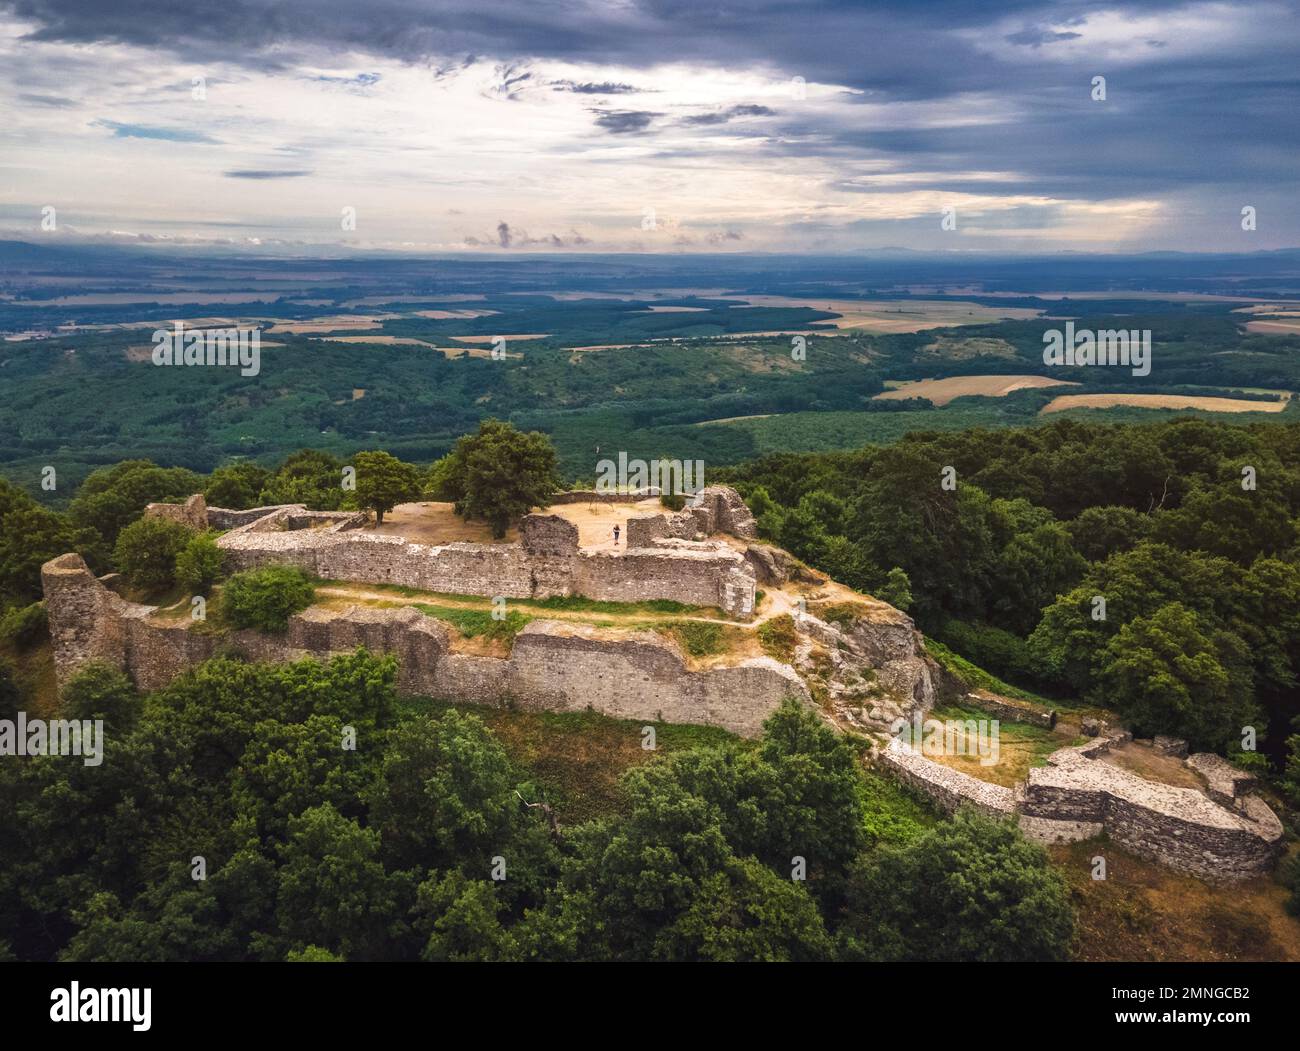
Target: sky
(525,126)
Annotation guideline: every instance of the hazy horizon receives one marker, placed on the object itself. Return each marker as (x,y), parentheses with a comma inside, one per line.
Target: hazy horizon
(652,126)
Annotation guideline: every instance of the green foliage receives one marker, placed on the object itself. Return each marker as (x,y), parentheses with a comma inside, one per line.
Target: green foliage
(383,482)
(778,636)
(319,851)
(10,699)
(1099,532)
(100,691)
(199,563)
(897,589)
(475,623)
(672,501)
(112,498)
(31,535)
(498,474)
(24,625)
(1288,875)
(1291,770)
(1171,673)
(309,477)
(237,486)
(994,649)
(698,638)
(147,549)
(266,598)
(974,676)
(312,954)
(990,895)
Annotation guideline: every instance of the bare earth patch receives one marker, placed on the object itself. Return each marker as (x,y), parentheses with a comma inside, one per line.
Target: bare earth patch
(1147,763)
(1159,401)
(1276,327)
(435,523)
(343,322)
(945,390)
(1145,911)
(899,315)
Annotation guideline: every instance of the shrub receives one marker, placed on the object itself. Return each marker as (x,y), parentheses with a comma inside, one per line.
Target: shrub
(989,647)
(266,598)
(673,501)
(24,625)
(777,637)
(989,895)
(198,566)
(699,638)
(10,698)
(1288,875)
(146,551)
(100,691)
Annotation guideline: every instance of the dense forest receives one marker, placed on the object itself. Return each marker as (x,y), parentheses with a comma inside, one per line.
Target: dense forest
(1154,570)
(305,812)
(88,399)
(231,820)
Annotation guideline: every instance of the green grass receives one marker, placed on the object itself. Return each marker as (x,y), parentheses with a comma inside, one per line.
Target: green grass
(698,638)
(473,623)
(895,814)
(777,637)
(977,678)
(580,604)
(558,603)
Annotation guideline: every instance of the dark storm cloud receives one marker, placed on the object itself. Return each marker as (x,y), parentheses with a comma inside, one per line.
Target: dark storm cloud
(261,173)
(1036,36)
(1203,114)
(624,121)
(731,113)
(606,88)
(57,101)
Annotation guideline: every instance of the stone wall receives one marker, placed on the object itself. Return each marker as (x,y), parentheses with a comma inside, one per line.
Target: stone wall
(1077,796)
(553,665)
(641,675)
(546,563)
(1009,710)
(193,514)
(949,788)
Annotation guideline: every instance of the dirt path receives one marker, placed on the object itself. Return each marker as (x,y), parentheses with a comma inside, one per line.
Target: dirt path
(777,603)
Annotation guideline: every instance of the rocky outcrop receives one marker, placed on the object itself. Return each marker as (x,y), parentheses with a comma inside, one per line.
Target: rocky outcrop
(776,566)
(874,671)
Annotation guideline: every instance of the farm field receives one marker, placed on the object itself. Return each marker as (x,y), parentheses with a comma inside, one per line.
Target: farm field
(1159,401)
(900,315)
(942,391)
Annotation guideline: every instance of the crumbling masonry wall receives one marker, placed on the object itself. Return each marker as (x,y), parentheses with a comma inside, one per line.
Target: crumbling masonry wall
(547,562)
(1076,796)
(552,666)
